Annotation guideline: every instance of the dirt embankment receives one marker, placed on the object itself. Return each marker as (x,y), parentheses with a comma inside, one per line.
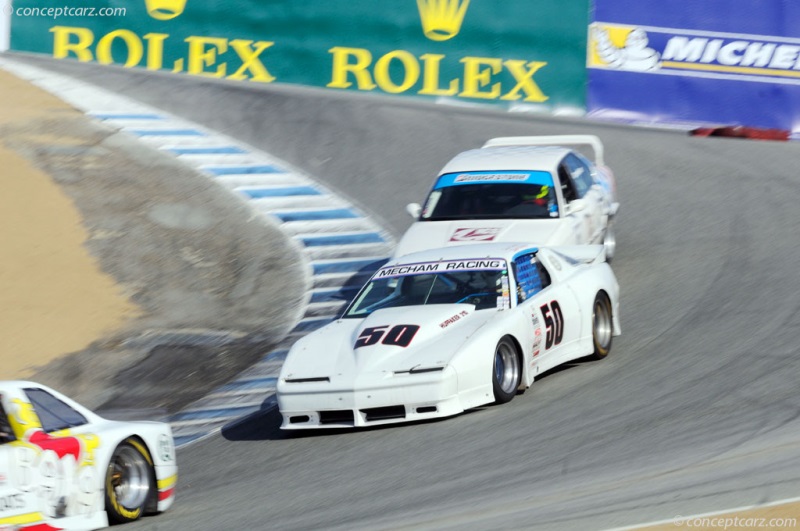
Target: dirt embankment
(128,280)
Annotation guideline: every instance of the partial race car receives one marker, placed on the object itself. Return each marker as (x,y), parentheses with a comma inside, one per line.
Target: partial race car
(64,467)
(441,331)
(530,189)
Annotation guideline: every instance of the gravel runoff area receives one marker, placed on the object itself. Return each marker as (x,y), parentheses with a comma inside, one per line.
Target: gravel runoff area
(204,286)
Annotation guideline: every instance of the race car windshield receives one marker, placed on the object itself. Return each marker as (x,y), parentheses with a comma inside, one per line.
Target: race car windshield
(395,286)
(484,195)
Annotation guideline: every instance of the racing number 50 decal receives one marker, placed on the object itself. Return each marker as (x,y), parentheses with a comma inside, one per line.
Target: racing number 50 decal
(554,323)
(399,335)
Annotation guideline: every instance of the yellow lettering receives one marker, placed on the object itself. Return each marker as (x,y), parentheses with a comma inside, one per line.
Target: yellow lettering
(410,71)
(478,73)
(523,74)
(155,50)
(131,40)
(201,57)
(430,80)
(250,61)
(342,66)
(62,45)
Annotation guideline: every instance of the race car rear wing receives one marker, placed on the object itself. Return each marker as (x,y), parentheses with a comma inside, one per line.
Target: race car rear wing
(556,140)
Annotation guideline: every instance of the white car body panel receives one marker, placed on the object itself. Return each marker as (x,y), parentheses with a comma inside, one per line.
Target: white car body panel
(329,380)
(57,478)
(584,221)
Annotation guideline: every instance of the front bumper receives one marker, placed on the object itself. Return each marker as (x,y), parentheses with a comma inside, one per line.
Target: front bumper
(369,400)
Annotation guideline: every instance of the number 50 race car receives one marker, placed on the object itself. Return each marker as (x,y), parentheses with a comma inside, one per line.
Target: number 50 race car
(441,331)
(519,189)
(64,468)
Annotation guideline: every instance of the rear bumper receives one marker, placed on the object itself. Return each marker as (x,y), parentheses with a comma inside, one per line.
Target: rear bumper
(369,400)
(166,479)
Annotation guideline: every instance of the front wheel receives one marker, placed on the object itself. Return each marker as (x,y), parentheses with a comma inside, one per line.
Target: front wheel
(506,371)
(129,481)
(602,326)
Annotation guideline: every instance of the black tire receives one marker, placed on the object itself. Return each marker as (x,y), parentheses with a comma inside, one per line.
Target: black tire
(602,326)
(129,481)
(506,371)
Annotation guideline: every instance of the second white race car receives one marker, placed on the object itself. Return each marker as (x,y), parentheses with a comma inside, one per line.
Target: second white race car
(527,189)
(441,331)
(62,467)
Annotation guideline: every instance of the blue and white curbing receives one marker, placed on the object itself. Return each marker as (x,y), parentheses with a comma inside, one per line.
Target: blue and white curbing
(342,245)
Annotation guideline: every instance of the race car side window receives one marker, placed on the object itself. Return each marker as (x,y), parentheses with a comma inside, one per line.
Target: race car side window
(6,433)
(580,172)
(543,274)
(567,188)
(53,413)
(531,276)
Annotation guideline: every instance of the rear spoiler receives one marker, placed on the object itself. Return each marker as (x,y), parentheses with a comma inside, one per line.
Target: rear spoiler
(556,140)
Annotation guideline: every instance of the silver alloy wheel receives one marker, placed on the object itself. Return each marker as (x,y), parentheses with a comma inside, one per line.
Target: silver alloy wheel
(130,477)
(506,367)
(610,242)
(603,327)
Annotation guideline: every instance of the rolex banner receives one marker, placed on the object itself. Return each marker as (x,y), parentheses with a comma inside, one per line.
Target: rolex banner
(514,52)
(716,62)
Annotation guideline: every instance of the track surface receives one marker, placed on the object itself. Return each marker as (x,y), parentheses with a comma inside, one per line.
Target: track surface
(695,410)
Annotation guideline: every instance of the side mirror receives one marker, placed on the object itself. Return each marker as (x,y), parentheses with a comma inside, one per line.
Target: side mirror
(414,210)
(576,206)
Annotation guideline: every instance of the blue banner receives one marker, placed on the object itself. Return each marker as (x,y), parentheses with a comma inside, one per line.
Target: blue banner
(720,63)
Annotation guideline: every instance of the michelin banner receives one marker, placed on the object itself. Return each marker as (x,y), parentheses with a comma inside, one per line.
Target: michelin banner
(731,62)
(515,52)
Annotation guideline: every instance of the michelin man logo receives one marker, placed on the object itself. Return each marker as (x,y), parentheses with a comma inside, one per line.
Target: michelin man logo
(633,55)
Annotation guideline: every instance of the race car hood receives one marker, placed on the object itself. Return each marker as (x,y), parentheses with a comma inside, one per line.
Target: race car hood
(424,235)
(389,340)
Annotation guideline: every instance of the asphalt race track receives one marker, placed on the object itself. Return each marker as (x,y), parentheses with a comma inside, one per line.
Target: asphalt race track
(695,410)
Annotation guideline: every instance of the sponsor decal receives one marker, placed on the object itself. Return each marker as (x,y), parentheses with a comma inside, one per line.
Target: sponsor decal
(539,177)
(237,59)
(537,332)
(457,317)
(436,267)
(58,468)
(479,177)
(694,53)
(165,44)
(483,234)
(166,448)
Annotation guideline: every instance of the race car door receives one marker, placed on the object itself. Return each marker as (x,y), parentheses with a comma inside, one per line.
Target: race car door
(584,198)
(554,310)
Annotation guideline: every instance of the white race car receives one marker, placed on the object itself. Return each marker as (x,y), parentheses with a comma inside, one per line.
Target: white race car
(441,331)
(519,189)
(64,467)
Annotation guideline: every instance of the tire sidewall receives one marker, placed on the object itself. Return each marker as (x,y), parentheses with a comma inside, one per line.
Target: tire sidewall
(500,396)
(117,512)
(601,351)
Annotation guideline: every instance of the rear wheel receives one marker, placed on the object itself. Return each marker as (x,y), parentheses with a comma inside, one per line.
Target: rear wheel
(610,242)
(506,371)
(602,326)
(129,481)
